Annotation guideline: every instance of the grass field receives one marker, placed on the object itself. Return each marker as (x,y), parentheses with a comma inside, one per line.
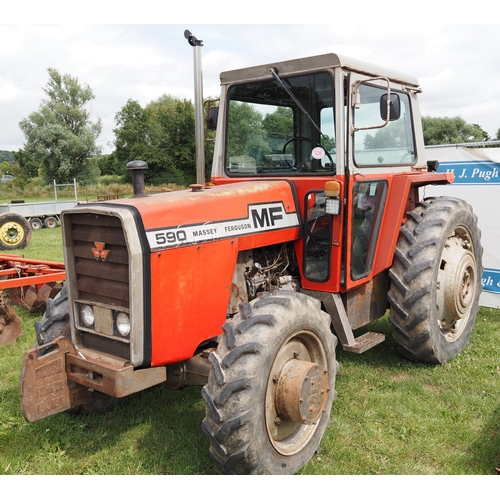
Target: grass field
(391,416)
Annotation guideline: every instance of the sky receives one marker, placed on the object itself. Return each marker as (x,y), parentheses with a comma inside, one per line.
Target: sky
(141,54)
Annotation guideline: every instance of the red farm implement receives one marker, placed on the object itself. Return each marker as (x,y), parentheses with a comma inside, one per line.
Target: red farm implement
(29,284)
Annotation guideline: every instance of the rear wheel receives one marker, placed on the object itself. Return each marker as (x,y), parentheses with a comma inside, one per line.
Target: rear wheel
(15,231)
(436,280)
(271,387)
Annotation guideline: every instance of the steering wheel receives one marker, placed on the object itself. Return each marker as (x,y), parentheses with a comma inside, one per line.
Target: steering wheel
(315,144)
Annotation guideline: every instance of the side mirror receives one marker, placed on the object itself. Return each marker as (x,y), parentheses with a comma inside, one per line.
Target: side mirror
(212,116)
(394,107)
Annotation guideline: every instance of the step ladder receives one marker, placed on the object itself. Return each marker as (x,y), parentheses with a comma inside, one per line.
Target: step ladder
(335,308)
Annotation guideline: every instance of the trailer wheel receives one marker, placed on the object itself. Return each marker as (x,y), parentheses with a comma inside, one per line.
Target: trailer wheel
(436,280)
(55,323)
(271,385)
(36,223)
(50,222)
(15,231)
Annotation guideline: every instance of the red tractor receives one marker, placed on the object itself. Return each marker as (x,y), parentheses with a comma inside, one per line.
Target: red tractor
(313,217)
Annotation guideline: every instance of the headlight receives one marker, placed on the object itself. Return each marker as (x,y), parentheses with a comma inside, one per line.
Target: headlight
(122,324)
(87,315)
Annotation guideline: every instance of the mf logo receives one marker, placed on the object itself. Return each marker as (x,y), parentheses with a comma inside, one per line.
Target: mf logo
(100,253)
(266,217)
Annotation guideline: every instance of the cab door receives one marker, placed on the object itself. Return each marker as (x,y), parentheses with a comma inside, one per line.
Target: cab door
(365,212)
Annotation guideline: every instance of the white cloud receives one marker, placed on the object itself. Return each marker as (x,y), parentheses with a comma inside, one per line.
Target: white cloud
(8,90)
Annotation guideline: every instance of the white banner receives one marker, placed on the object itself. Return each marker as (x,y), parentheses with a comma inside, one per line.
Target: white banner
(477,180)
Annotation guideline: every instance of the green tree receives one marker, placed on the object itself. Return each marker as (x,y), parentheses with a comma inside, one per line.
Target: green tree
(161,134)
(7,156)
(444,130)
(171,129)
(245,128)
(26,164)
(5,168)
(279,124)
(391,136)
(485,136)
(131,137)
(60,136)
(20,178)
(108,164)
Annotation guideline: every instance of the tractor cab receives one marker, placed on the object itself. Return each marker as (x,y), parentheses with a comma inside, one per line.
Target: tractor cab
(321,119)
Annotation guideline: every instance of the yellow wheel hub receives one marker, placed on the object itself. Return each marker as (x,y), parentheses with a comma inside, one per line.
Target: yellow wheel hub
(11,233)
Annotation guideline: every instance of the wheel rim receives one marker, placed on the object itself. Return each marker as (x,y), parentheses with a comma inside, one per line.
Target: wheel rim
(297,392)
(12,233)
(456,284)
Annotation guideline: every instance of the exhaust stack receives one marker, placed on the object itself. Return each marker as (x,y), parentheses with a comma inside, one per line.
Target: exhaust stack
(198,107)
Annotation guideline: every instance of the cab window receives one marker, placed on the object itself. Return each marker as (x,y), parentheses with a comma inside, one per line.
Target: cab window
(317,237)
(368,206)
(283,128)
(392,144)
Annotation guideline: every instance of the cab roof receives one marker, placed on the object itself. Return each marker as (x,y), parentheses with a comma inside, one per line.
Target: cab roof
(314,63)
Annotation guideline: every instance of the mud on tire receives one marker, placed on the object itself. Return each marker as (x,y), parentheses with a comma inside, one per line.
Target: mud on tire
(254,425)
(436,280)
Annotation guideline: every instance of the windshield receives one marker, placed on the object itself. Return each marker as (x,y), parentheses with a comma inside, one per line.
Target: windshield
(272,130)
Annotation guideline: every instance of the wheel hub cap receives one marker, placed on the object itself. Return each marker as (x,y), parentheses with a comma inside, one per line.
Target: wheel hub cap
(456,285)
(301,392)
(297,393)
(11,233)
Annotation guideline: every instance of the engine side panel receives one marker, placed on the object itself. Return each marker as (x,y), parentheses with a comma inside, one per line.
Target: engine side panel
(191,289)
(192,264)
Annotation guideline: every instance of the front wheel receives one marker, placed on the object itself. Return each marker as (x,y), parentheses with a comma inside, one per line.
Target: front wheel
(271,386)
(436,280)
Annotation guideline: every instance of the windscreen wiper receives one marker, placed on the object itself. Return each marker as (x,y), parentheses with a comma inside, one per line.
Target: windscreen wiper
(288,90)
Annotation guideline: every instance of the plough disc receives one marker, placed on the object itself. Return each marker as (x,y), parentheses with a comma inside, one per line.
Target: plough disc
(10,326)
(29,283)
(34,297)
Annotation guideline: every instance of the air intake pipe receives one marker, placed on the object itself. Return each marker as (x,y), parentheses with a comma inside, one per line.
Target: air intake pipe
(137,168)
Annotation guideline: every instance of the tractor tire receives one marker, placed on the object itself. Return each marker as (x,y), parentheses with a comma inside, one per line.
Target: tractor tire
(436,280)
(271,385)
(55,323)
(15,231)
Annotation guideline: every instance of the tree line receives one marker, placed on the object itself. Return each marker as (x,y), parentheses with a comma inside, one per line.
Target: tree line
(61,138)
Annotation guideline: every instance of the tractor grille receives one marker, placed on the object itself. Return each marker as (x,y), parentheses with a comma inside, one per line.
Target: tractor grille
(98,280)
(101,271)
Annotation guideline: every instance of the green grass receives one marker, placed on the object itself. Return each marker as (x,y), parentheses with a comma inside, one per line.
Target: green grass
(391,416)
